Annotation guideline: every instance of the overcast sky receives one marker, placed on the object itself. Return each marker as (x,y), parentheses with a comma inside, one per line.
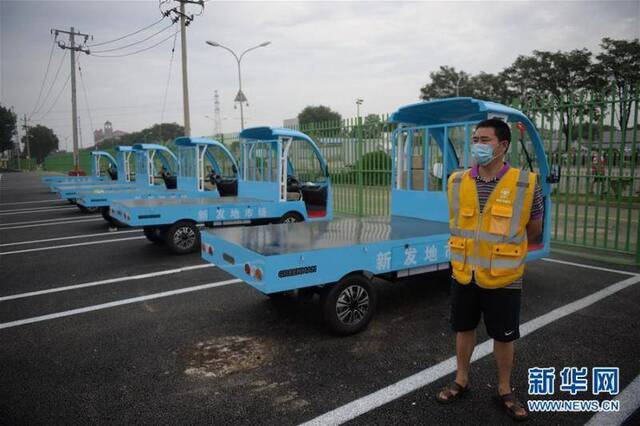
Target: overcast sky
(328,53)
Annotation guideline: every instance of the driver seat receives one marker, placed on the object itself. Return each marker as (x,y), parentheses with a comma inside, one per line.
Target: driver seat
(293,189)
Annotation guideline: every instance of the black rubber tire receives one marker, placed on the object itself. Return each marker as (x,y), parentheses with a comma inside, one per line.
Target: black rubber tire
(88,210)
(352,288)
(291,217)
(155,234)
(176,239)
(104,211)
(71,200)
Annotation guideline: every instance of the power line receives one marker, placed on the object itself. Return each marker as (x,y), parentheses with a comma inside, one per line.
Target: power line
(127,35)
(137,51)
(56,100)
(86,99)
(166,89)
(44,80)
(55,78)
(135,42)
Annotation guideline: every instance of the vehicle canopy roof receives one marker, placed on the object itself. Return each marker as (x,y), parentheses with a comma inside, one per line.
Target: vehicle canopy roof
(266,133)
(453,110)
(189,141)
(106,155)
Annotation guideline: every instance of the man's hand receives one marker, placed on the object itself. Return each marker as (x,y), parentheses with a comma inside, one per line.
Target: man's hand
(534,230)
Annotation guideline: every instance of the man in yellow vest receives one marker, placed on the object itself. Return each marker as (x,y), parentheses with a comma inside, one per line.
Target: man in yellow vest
(494,212)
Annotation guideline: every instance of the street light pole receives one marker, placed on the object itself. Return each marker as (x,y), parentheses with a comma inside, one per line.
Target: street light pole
(240,97)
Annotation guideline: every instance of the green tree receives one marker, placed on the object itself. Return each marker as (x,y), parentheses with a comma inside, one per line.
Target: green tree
(447,83)
(619,62)
(42,141)
(318,114)
(491,87)
(7,128)
(558,75)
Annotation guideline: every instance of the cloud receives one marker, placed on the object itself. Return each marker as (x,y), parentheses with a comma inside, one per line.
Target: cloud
(321,53)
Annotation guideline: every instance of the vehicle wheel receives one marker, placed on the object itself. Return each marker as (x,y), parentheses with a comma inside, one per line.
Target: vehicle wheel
(291,217)
(155,234)
(71,200)
(183,237)
(106,216)
(348,306)
(88,210)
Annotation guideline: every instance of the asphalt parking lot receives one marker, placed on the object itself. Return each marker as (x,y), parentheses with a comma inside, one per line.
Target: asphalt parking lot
(105,327)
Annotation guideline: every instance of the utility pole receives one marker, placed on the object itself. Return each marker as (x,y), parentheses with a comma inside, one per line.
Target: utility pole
(217,126)
(26,137)
(185,20)
(185,81)
(18,144)
(74,107)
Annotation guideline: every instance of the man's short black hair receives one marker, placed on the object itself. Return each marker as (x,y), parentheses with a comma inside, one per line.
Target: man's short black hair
(503,132)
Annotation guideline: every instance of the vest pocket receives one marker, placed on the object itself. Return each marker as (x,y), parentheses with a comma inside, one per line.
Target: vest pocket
(457,246)
(500,219)
(505,259)
(466,219)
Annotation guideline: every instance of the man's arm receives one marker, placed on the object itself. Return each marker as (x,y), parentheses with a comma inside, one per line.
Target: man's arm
(534,227)
(534,230)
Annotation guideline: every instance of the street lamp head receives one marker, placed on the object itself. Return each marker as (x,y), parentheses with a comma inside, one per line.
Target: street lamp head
(266,43)
(213,43)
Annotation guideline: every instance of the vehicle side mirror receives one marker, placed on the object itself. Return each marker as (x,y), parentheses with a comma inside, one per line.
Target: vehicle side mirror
(437,170)
(554,174)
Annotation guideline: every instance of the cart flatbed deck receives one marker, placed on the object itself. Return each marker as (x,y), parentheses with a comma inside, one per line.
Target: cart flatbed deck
(200,201)
(270,240)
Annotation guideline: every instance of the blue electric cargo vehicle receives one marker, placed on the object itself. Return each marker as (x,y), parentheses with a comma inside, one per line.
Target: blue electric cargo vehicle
(149,160)
(96,171)
(97,176)
(123,175)
(207,169)
(271,188)
(339,259)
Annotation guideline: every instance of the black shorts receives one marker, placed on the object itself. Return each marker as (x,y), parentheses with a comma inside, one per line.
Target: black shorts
(500,308)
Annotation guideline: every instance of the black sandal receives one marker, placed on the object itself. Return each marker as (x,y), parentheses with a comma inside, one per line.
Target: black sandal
(448,393)
(516,405)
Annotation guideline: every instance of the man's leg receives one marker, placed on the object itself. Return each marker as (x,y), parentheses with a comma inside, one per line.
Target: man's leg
(465,315)
(501,309)
(503,352)
(465,342)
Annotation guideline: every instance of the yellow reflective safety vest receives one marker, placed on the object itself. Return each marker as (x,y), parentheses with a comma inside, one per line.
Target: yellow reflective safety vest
(492,243)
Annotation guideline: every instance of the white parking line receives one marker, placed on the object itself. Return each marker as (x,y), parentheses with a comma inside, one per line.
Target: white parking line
(33,202)
(39,223)
(38,211)
(629,402)
(103,282)
(116,303)
(425,377)
(88,243)
(19,243)
(582,265)
(29,222)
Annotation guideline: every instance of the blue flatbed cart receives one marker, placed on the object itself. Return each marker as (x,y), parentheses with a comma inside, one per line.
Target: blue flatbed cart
(146,156)
(339,259)
(123,176)
(96,175)
(207,169)
(269,190)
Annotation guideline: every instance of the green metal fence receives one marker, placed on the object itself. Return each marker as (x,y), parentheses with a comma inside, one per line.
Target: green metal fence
(594,138)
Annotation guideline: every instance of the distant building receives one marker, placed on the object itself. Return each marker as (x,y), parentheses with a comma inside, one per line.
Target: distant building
(107,133)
